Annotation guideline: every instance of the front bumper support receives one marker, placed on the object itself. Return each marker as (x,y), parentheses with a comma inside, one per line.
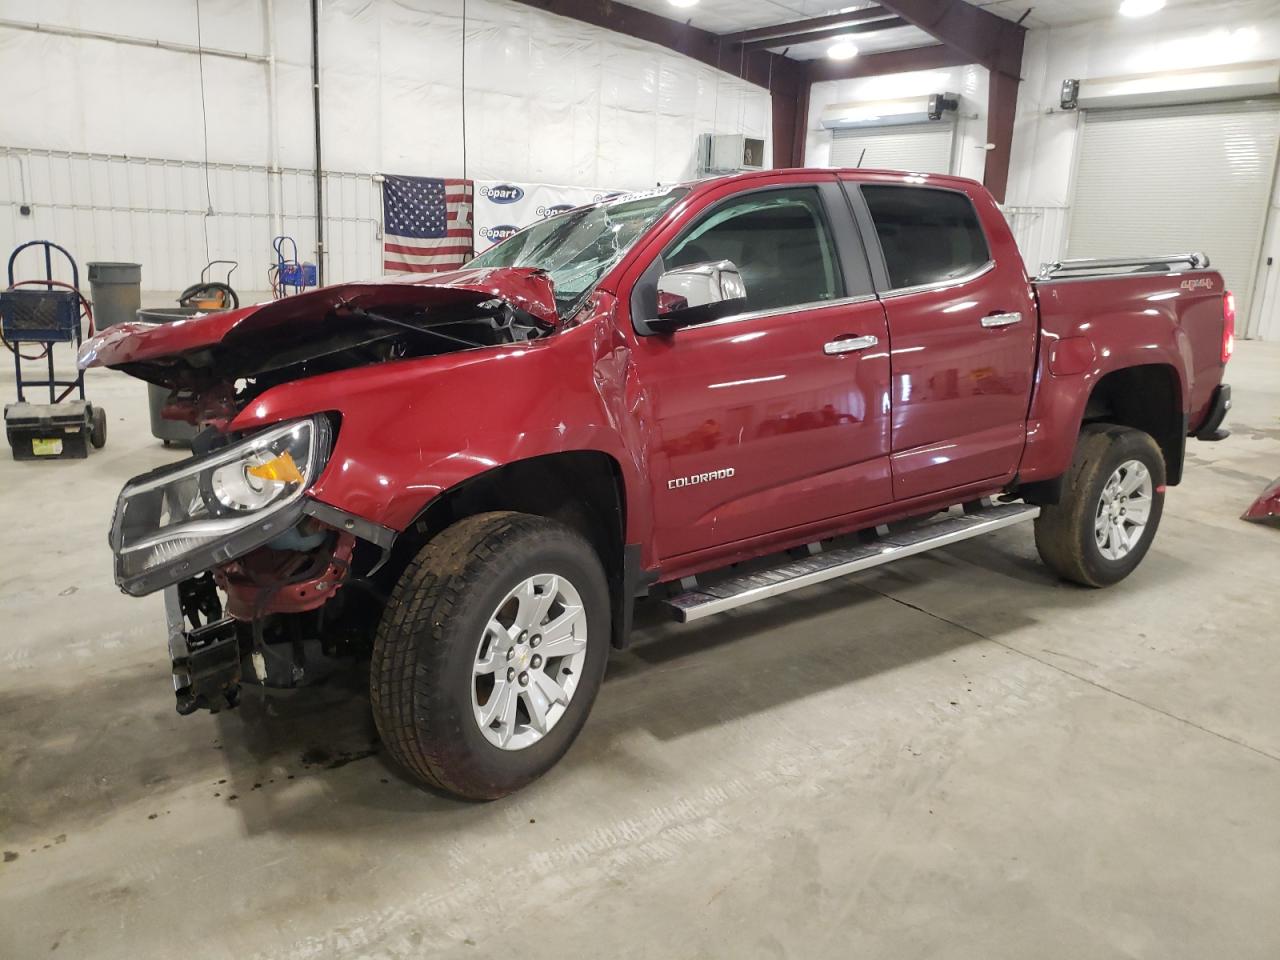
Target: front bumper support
(206,659)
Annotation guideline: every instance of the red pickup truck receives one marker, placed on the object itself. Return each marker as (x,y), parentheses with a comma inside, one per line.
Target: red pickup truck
(707,395)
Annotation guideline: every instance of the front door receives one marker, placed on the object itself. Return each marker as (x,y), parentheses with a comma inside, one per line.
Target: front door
(776,417)
(962,324)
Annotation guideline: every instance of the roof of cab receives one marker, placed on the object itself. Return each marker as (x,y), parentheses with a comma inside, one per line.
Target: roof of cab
(847,173)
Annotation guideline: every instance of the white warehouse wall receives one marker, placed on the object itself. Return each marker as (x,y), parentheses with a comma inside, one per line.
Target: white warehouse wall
(1044,140)
(104,139)
(970,82)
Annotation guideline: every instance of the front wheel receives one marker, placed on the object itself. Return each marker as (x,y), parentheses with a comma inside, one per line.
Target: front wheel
(1110,508)
(490,653)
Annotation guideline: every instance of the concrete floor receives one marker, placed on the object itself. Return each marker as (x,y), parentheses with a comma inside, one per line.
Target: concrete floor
(954,757)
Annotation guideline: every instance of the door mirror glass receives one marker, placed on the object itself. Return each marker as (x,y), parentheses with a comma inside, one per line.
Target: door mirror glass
(698,292)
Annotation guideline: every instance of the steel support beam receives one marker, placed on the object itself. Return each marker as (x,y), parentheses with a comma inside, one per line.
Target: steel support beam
(848,30)
(894,61)
(800,135)
(985,38)
(801,26)
(1002,105)
(992,42)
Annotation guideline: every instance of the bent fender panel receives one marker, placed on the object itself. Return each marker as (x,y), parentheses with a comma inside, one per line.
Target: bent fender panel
(415,428)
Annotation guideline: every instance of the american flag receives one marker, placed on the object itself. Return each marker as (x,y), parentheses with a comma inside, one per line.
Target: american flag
(426,224)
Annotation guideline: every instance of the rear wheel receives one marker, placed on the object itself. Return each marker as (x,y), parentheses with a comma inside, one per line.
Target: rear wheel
(490,653)
(1110,509)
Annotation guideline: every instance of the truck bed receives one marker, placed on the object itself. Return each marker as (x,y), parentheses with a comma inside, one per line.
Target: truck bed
(1168,315)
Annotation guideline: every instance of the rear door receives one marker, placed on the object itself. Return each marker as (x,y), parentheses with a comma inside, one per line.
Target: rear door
(962,332)
(770,419)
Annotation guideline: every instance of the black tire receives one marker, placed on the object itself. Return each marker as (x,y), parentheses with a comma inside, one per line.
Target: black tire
(1065,532)
(421,676)
(98,427)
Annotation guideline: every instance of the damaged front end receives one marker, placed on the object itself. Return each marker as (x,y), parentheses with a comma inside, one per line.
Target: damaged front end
(237,520)
(263,583)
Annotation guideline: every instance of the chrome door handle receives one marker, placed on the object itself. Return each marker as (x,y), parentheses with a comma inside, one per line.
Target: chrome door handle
(849,345)
(1001,319)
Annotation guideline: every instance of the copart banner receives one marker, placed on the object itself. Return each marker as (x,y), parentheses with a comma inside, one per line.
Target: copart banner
(502,208)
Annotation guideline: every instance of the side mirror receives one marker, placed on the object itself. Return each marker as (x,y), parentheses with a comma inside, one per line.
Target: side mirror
(697,293)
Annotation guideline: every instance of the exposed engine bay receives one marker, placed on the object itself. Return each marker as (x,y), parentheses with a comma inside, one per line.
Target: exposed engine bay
(351,337)
(391,333)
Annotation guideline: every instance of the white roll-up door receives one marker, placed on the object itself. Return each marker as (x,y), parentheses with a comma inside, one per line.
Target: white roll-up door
(1162,180)
(914,147)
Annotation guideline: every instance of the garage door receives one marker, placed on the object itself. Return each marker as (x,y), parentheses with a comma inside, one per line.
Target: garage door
(1167,180)
(915,147)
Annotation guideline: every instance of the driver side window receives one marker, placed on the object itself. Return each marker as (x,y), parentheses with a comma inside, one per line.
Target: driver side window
(778,239)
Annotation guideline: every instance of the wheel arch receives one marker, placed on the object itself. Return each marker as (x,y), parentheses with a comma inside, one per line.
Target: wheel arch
(1147,397)
(583,489)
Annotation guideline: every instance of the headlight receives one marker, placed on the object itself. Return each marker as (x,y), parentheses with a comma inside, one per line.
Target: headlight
(183,519)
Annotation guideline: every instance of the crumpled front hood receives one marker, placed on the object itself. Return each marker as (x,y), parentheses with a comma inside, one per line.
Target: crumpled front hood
(143,348)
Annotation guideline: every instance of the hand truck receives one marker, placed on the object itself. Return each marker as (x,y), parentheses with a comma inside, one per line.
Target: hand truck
(61,429)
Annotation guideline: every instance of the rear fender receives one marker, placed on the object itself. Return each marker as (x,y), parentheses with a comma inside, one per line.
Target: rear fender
(1061,406)
(1082,345)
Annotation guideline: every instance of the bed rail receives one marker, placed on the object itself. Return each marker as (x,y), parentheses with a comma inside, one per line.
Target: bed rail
(1119,266)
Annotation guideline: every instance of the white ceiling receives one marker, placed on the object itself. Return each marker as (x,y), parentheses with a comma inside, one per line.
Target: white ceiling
(729,16)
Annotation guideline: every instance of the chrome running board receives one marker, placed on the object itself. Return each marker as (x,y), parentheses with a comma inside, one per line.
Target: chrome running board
(737,591)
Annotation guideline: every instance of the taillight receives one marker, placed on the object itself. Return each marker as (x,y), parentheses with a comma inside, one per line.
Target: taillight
(1228,325)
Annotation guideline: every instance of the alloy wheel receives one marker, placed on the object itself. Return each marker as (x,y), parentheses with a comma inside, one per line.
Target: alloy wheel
(1123,510)
(528,661)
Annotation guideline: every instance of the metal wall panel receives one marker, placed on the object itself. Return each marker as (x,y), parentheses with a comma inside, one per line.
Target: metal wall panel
(153,211)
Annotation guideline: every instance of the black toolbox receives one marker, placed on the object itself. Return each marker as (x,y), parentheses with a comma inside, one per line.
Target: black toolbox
(49,431)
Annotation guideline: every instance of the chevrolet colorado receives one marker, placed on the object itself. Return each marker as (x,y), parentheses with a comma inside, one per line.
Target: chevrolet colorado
(707,394)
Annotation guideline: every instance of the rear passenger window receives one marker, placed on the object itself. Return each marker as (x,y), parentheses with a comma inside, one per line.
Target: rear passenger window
(779,241)
(927,235)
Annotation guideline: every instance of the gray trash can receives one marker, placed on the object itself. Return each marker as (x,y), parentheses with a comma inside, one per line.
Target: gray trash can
(170,431)
(116,289)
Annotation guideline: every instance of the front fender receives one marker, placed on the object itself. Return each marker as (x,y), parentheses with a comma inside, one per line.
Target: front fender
(412,429)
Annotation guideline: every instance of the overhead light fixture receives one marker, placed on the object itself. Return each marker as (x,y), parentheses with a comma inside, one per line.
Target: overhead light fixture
(683,3)
(1140,8)
(842,50)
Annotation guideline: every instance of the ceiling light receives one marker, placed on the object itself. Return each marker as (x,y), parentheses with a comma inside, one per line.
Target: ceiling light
(1140,8)
(683,3)
(842,50)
